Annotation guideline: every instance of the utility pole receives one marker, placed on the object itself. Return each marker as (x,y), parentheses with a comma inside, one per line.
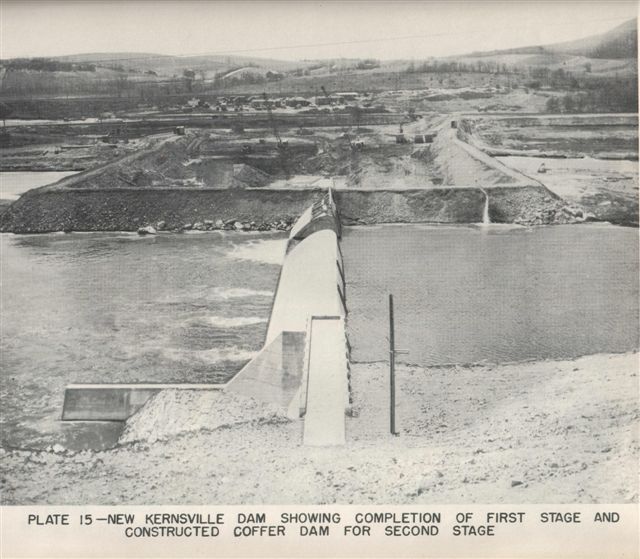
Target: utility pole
(392,370)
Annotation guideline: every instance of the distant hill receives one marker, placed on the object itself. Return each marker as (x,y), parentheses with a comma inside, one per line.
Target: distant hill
(152,78)
(610,54)
(621,42)
(169,65)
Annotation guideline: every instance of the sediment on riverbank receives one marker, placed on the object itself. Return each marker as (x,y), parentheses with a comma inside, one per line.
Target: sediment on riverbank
(535,432)
(127,209)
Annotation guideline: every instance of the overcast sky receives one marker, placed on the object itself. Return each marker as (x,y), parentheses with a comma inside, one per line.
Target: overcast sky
(297,30)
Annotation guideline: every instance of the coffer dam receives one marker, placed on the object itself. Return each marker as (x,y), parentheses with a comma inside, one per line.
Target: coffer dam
(47,210)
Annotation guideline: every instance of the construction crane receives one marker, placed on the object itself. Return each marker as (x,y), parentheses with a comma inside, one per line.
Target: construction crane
(281,145)
(356,145)
(400,137)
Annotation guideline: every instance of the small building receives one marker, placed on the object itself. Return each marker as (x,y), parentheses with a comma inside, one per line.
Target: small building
(297,102)
(423,138)
(348,95)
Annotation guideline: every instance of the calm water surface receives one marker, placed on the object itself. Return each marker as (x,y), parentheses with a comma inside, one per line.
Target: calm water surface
(498,294)
(15,183)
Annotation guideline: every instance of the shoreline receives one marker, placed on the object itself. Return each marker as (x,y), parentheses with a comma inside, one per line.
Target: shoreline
(534,432)
(286,226)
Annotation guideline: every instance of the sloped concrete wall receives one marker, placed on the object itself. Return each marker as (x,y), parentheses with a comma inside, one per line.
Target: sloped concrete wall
(274,375)
(308,285)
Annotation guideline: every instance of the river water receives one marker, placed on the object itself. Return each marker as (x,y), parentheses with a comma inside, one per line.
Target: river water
(15,183)
(498,294)
(108,307)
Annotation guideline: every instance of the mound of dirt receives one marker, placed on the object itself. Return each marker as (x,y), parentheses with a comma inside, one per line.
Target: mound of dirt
(247,176)
(176,412)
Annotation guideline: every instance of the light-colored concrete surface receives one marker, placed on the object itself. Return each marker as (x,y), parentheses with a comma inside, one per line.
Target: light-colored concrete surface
(327,390)
(104,404)
(311,283)
(274,375)
(308,285)
(302,222)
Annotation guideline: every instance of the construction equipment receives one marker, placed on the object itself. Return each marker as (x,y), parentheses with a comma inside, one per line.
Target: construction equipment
(423,138)
(400,137)
(281,144)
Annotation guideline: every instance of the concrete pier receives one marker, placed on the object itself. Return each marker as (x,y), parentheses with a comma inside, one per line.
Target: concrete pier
(327,386)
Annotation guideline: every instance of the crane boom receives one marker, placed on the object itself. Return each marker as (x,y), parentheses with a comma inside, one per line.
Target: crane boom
(272,121)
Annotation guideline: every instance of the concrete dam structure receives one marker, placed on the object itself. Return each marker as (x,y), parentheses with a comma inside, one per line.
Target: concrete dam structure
(304,364)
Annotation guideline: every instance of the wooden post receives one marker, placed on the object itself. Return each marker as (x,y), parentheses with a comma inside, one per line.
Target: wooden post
(392,371)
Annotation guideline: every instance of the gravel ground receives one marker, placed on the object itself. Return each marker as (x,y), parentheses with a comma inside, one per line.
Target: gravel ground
(543,432)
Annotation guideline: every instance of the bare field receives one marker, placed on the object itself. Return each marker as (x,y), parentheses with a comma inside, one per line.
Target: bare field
(565,137)
(606,188)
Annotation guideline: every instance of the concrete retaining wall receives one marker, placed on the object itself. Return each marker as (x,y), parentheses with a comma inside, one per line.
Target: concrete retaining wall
(274,375)
(117,402)
(325,390)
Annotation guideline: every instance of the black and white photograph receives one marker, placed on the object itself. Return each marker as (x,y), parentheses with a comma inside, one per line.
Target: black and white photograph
(319,253)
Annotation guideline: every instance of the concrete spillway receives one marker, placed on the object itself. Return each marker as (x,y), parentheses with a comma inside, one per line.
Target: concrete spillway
(304,364)
(310,284)
(311,376)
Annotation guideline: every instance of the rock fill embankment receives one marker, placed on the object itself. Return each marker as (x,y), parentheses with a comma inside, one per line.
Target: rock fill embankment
(442,205)
(178,209)
(461,163)
(42,211)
